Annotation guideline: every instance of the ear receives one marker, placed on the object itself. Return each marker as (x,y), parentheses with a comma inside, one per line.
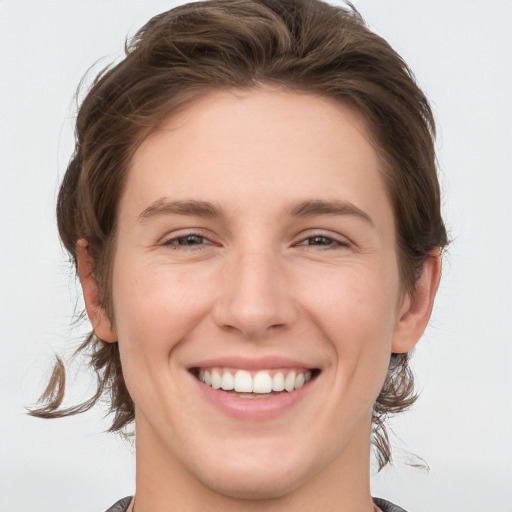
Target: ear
(97,315)
(417,306)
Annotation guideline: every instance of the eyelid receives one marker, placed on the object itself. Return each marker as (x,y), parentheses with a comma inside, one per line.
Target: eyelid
(183,233)
(339,240)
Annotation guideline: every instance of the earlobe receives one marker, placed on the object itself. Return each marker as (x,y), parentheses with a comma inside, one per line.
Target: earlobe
(97,315)
(417,307)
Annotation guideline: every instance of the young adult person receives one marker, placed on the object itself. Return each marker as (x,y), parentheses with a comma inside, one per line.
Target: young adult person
(254,213)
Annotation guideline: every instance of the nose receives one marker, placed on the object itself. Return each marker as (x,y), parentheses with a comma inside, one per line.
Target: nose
(256,298)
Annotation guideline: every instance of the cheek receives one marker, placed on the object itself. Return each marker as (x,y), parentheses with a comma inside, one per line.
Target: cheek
(155,310)
(155,313)
(356,310)
(353,299)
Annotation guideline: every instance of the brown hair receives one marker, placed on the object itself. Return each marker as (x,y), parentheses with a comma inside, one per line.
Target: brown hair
(299,45)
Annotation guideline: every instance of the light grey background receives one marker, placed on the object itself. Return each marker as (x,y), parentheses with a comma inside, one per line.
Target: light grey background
(461,54)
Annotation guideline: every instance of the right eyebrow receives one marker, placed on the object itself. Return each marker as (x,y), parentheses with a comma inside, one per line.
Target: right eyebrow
(164,206)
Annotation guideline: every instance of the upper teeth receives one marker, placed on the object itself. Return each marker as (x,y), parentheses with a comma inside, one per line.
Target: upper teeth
(243,381)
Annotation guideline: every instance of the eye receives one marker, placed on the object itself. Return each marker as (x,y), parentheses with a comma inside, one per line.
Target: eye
(318,240)
(190,240)
(323,241)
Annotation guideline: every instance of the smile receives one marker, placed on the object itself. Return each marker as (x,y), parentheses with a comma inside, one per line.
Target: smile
(262,382)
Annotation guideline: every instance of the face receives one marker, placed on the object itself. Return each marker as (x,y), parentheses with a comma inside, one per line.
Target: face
(256,291)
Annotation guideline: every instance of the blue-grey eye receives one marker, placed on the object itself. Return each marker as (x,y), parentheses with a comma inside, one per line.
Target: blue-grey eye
(190,240)
(319,240)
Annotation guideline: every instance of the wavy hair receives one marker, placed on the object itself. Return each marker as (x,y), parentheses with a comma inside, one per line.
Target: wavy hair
(299,45)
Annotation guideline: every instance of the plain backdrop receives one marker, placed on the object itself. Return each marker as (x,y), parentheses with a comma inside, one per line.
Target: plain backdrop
(461,54)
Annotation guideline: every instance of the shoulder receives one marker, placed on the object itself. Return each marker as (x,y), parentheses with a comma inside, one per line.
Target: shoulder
(386,506)
(121,505)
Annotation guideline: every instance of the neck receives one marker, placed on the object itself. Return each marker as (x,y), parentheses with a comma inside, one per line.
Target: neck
(166,485)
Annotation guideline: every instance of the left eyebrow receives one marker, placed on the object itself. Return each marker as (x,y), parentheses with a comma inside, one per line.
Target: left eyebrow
(316,207)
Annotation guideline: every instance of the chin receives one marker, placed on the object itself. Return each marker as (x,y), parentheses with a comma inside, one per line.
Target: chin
(254,484)
(261,474)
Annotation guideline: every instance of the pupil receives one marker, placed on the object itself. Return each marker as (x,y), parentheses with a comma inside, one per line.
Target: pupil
(190,240)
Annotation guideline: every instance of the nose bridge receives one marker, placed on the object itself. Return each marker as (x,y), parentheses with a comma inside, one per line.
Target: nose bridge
(255,297)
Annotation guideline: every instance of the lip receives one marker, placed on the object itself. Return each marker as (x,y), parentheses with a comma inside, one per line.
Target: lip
(252,409)
(250,364)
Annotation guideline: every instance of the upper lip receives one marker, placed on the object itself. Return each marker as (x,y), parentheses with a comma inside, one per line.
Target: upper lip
(245,363)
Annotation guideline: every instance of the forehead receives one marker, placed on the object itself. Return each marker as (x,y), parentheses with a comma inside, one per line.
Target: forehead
(266,143)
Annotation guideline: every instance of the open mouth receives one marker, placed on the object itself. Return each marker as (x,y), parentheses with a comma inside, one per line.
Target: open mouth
(255,384)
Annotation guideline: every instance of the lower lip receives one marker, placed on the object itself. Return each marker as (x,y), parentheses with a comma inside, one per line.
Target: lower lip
(254,409)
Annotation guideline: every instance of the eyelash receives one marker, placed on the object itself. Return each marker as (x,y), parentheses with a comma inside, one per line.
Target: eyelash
(175,242)
(333,242)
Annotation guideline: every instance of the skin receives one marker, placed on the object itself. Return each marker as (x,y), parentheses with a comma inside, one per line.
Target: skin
(257,281)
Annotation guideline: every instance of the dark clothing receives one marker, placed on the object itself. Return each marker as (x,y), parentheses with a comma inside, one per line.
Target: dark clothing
(121,505)
(386,506)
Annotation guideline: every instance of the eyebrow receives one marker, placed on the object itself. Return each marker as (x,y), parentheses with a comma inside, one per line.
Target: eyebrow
(205,209)
(336,207)
(163,206)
